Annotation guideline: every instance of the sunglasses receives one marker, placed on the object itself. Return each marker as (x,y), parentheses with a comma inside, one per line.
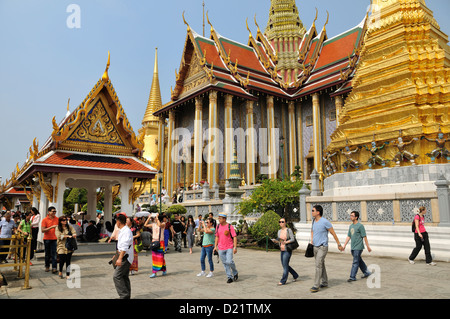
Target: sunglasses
(281,222)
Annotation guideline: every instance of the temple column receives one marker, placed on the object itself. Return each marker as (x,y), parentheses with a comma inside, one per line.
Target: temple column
(251,143)
(228,134)
(198,140)
(292,138)
(339,102)
(108,203)
(316,134)
(213,149)
(272,139)
(92,203)
(161,126)
(171,167)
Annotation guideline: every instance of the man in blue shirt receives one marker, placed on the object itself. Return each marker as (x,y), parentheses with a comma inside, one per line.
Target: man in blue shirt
(7,226)
(319,238)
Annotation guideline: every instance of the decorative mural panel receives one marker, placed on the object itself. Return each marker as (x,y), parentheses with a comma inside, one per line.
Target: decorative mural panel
(345,208)
(410,208)
(330,125)
(380,211)
(307,130)
(327,210)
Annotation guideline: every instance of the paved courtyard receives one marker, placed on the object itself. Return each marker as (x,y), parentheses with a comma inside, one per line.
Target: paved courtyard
(259,273)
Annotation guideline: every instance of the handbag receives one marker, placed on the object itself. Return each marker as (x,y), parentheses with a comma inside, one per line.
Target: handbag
(292,246)
(139,246)
(71,243)
(309,251)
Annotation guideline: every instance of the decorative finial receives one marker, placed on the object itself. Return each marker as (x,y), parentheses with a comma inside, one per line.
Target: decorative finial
(328,17)
(315,19)
(209,22)
(105,77)
(184,20)
(68,103)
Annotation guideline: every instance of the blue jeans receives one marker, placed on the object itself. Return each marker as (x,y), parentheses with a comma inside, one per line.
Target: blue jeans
(227,260)
(358,263)
(207,251)
(285,258)
(50,253)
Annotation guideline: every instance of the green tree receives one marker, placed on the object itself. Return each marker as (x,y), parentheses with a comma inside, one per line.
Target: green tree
(273,195)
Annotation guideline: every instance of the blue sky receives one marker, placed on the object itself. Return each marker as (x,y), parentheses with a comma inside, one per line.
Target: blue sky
(43,62)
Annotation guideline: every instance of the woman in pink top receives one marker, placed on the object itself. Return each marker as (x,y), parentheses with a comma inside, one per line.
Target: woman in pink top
(421,238)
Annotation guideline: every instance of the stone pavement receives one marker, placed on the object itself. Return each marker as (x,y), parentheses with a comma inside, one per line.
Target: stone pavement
(259,273)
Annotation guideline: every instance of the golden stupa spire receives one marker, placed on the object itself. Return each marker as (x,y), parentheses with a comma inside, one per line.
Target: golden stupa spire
(285,30)
(154,101)
(284,20)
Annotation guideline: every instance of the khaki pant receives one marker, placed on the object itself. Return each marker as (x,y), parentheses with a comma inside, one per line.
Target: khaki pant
(321,277)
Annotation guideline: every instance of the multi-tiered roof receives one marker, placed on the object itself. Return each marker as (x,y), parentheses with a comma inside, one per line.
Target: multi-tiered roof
(245,70)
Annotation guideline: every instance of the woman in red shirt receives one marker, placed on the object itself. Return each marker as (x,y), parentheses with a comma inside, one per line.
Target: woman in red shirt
(421,238)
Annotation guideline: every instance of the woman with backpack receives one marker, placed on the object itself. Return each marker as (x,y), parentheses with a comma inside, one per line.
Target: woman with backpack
(421,238)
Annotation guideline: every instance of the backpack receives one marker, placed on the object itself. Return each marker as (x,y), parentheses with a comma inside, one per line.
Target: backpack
(229,229)
(413,225)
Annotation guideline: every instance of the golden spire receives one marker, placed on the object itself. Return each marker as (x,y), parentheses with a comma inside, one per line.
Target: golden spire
(154,101)
(284,20)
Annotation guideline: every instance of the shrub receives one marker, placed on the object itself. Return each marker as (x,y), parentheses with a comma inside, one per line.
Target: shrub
(177,209)
(266,225)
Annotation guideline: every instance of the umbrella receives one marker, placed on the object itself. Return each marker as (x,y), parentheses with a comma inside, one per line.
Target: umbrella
(142,214)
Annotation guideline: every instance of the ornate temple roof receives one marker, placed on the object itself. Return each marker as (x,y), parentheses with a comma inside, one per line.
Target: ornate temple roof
(246,70)
(98,130)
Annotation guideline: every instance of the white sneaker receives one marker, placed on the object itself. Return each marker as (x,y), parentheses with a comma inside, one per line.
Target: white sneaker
(209,275)
(201,274)
(411,261)
(431,264)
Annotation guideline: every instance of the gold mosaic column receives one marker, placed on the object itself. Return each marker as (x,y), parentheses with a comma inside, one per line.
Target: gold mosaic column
(251,145)
(292,138)
(228,152)
(213,152)
(161,127)
(339,102)
(198,140)
(300,136)
(171,167)
(271,139)
(316,136)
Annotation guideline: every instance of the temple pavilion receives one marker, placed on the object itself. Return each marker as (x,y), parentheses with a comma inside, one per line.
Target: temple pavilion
(93,147)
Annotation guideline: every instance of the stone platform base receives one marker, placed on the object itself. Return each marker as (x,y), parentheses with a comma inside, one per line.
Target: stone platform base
(389,180)
(386,241)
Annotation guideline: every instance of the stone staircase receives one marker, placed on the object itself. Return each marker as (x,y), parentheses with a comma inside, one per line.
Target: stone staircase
(386,241)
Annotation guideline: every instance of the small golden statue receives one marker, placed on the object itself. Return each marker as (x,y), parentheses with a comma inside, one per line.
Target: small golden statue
(440,150)
(330,166)
(403,154)
(376,159)
(350,162)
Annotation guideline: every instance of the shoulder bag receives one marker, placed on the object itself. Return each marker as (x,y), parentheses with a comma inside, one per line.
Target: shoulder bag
(291,246)
(71,243)
(309,253)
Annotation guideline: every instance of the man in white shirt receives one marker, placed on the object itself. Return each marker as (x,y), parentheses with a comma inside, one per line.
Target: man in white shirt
(125,250)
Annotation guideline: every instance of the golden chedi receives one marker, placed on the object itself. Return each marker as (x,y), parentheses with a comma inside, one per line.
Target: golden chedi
(401,86)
